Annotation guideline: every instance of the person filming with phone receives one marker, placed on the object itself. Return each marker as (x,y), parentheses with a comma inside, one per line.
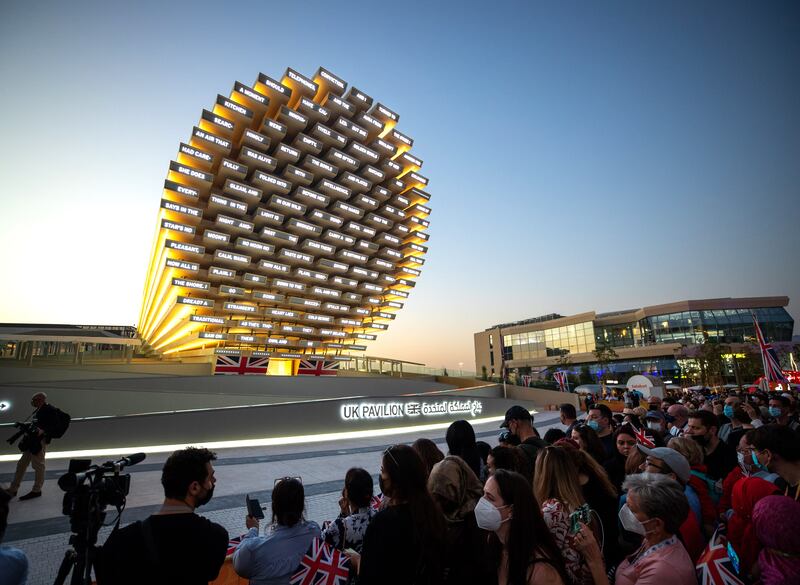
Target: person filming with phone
(272,558)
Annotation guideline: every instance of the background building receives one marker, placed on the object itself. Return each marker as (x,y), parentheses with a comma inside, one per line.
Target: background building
(691,340)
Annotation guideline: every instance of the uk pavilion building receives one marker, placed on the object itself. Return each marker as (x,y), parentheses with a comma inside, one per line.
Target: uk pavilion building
(291,230)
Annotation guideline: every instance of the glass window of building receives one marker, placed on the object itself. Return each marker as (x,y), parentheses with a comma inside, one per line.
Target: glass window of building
(578,338)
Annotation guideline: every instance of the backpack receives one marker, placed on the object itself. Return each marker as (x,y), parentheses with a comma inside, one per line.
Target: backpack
(60,424)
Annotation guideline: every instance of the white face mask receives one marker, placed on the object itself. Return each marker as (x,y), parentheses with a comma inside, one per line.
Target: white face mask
(654,426)
(630,522)
(740,457)
(487,515)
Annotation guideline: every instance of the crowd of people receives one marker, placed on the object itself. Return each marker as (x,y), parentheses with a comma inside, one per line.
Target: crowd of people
(649,495)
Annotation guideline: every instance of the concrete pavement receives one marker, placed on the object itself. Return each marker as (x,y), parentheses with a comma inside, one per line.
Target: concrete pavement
(38,528)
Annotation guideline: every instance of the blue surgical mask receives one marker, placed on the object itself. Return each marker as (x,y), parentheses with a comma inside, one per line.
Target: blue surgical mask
(775,411)
(594,425)
(728,411)
(756,462)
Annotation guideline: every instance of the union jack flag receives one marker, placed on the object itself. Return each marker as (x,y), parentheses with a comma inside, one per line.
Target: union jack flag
(322,565)
(233,544)
(772,368)
(714,567)
(227,365)
(643,439)
(561,378)
(376,502)
(318,368)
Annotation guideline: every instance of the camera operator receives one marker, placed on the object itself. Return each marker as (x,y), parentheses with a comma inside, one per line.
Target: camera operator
(45,419)
(174,545)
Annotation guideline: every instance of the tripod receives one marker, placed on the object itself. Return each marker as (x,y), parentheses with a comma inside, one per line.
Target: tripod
(86,520)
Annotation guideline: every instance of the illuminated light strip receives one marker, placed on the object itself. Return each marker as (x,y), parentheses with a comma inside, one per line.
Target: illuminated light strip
(265,442)
(455,390)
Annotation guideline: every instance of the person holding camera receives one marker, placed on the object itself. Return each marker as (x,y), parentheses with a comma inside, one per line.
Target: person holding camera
(44,423)
(174,545)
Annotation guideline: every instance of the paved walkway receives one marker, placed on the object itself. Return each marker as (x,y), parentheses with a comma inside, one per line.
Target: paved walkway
(38,528)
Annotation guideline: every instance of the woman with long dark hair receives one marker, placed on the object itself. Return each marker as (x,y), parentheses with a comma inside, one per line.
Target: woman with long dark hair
(520,544)
(603,499)
(404,542)
(428,452)
(624,442)
(589,441)
(274,557)
(460,439)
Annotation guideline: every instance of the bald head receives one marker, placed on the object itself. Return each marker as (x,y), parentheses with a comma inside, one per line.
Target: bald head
(680,413)
(39,399)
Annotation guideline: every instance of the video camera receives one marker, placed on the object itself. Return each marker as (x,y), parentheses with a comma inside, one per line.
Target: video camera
(88,490)
(83,477)
(31,440)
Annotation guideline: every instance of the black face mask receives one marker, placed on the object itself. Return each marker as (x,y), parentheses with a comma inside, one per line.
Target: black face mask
(382,485)
(206,498)
(701,440)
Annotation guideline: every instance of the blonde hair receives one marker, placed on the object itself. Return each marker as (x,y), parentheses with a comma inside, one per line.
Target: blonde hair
(688,448)
(640,411)
(556,477)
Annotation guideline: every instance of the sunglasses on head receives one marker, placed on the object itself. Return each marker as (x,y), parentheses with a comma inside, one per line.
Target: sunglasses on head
(389,453)
(280,479)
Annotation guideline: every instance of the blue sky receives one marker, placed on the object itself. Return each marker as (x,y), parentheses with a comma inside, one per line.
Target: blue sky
(581,155)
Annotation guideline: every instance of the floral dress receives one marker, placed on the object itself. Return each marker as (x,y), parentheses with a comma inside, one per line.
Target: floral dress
(348,531)
(556,516)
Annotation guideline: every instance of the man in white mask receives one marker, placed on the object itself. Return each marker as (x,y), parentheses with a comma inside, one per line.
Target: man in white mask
(656,421)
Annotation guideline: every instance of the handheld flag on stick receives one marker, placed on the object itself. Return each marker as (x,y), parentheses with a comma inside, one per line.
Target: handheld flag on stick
(643,439)
(714,567)
(322,565)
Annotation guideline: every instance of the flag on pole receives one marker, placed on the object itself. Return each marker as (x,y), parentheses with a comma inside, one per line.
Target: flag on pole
(318,368)
(561,378)
(233,365)
(322,565)
(772,368)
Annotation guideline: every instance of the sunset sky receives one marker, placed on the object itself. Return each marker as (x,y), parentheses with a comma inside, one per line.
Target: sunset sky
(581,155)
